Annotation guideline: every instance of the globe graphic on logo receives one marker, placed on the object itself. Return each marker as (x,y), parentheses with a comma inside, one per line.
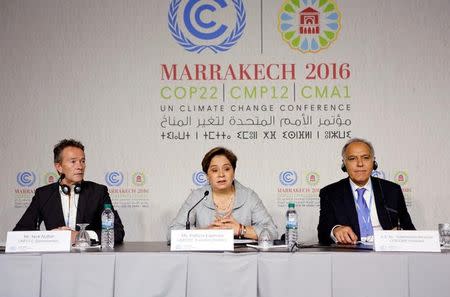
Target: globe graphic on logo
(288,177)
(26,178)
(114,178)
(199,178)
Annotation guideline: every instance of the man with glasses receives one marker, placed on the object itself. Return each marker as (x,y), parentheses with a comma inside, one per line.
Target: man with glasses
(352,208)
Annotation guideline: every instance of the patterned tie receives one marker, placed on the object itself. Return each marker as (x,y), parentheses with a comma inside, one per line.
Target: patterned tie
(365,223)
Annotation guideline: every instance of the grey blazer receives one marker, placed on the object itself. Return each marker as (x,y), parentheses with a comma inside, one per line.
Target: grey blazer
(248,210)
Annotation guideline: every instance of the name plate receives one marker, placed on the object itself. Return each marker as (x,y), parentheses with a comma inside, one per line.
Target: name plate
(202,240)
(406,241)
(38,241)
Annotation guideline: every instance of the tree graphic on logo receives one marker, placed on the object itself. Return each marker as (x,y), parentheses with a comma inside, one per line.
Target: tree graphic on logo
(309,26)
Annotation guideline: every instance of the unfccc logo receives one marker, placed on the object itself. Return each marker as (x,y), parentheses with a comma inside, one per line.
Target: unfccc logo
(379,174)
(288,178)
(26,178)
(114,178)
(206,24)
(199,178)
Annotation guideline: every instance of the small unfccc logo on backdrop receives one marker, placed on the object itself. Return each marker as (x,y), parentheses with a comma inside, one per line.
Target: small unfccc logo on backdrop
(26,178)
(198,25)
(288,178)
(199,178)
(379,174)
(114,178)
(309,25)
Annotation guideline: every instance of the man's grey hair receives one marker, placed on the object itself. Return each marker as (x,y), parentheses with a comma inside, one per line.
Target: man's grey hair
(353,140)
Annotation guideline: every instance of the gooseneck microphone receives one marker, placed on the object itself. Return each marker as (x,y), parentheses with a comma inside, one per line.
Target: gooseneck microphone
(61,177)
(188,223)
(388,209)
(39,218)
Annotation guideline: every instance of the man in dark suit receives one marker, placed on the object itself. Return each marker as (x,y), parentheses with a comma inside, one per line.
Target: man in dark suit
(70,200)
(351,208)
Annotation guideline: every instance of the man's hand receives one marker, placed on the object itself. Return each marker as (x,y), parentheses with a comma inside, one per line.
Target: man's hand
(73,233)
(345,235)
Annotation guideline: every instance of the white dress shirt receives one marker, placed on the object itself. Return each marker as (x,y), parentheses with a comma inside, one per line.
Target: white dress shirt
(69,207)
(369,197)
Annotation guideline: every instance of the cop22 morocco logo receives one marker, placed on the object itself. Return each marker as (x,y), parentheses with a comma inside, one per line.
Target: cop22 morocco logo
(309,26)
(198,25)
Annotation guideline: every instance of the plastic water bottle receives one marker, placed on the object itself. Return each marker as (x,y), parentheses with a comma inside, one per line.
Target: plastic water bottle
(107,228)
(291,235)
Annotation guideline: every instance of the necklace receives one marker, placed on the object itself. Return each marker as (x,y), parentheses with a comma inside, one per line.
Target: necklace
(221,208)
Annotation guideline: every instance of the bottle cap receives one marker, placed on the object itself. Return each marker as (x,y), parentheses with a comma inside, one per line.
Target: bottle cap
(108,206)
(291,205)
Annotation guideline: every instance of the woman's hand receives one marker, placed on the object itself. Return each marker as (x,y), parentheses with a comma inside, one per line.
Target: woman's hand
(227,222)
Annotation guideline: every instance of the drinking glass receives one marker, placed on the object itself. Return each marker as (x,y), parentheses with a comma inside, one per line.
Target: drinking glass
(264,239)
(82,240)
(444,234)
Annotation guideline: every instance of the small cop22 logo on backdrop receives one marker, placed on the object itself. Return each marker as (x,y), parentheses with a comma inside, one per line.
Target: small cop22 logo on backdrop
(138,179)
(114,178)
(204,24)
(288,177)
(312,178)
(401,178)
(26,178)
(309,25)
(199,178)
(50,177)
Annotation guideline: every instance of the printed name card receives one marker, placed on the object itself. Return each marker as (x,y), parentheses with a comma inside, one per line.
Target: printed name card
(38,241)
(406,241)
(202,240)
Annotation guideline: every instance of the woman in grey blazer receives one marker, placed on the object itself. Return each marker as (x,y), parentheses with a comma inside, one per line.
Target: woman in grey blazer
(228,204)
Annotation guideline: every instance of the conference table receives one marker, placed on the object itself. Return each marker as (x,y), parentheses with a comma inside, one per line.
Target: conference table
(151,269)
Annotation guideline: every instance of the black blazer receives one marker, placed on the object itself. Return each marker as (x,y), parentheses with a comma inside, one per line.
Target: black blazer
(46,206)
(337,207)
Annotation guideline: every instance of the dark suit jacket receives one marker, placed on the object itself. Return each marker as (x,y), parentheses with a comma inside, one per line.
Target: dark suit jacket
(46,206)
(337,207)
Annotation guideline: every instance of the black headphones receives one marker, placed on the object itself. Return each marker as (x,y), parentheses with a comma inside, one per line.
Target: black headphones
(65,188)
(344,169)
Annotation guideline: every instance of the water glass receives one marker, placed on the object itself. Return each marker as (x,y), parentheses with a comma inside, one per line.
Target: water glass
(82,239)
(444,234)
(264,239)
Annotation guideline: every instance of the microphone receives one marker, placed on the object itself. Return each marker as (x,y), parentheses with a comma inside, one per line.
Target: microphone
(61,177)
(188,224)
(38,219)
(388,209)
